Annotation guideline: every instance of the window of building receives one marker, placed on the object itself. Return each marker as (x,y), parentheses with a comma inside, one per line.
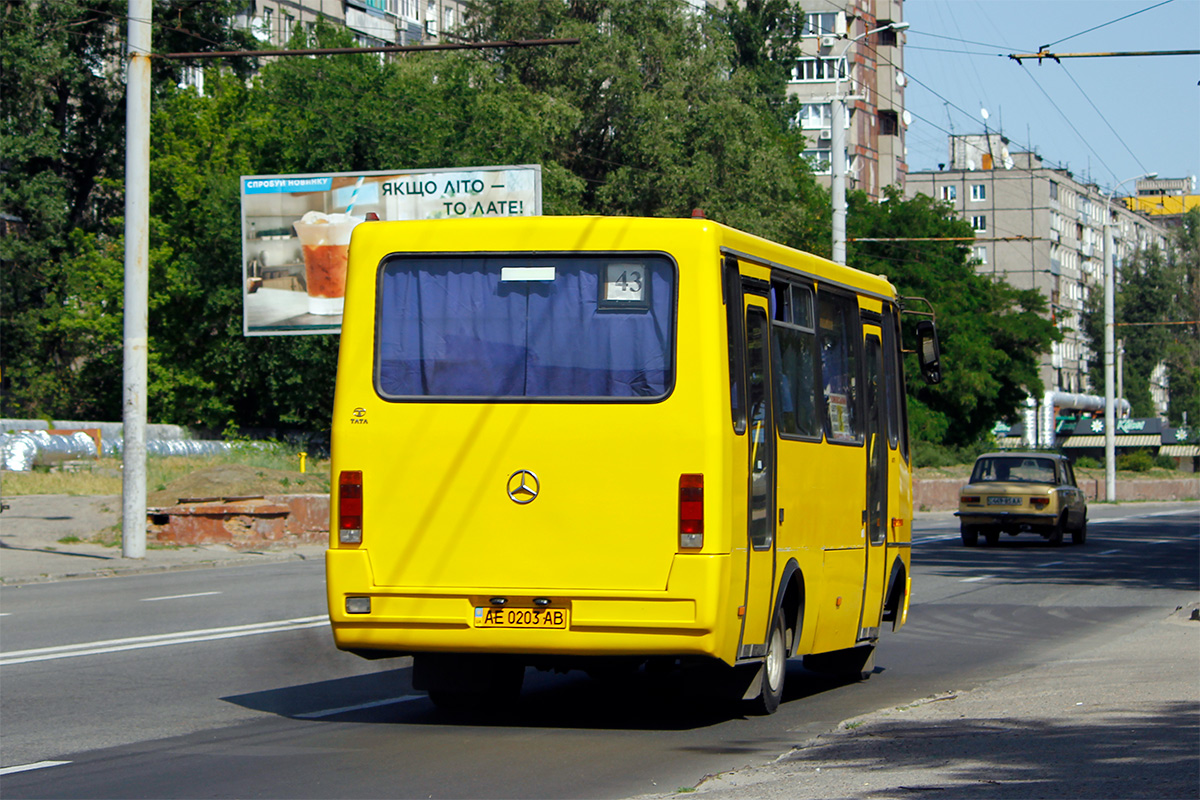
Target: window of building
(978,192)
(981,255)
(810,70)
(824,24)
(949,192)
(888,37)
(979,223)
(1053,190)
(814,115)
(889,123)
(820,158)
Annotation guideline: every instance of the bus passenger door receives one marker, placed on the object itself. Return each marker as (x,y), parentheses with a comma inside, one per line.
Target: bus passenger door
(760,527)
(874,579)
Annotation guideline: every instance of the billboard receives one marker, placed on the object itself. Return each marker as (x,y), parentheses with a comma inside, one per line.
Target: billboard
(296,229)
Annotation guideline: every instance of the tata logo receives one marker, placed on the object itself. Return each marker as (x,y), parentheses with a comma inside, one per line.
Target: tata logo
(358,416)
(523,487)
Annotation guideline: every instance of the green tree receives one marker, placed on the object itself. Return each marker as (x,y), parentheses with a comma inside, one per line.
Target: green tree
(62,152)
(992,335)
(662,120)
(1155,307)
(1183,345)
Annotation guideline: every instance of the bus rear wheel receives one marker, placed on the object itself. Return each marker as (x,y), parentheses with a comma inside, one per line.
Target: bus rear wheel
(773,670)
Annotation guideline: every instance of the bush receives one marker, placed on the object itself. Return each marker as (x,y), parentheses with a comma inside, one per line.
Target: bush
(1166,462)
(1137,461)
(931,454)
(1087,462)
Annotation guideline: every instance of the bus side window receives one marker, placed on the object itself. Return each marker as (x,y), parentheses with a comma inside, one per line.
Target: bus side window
(793,356)
(893,369)
(840,343)
(732,294)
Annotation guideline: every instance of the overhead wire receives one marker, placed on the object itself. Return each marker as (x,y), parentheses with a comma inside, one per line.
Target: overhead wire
(1100,114)
(1106,24)
(1070,124)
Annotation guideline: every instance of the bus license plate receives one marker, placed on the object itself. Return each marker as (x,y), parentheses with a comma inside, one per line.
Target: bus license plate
(1004,501)
(521,618)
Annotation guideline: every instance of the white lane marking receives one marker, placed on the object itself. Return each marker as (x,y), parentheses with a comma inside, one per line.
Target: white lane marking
(161,640)
(923,539)
(1051,563)
(176,597)
(34,765)
(1108,552)
(5,613)
(976,578)
(329,712)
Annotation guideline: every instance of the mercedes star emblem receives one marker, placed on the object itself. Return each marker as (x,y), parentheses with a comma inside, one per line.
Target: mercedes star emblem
(523,487)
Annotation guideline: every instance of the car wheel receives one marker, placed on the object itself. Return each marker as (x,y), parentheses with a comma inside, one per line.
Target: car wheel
(1079,535)
(993,538)
(970,536)
(1056,533)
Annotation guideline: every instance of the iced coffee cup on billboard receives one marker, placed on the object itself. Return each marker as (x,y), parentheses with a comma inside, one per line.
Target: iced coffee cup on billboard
(325,240)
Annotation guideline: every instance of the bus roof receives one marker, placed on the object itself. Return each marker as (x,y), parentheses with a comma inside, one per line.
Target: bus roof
(566,233)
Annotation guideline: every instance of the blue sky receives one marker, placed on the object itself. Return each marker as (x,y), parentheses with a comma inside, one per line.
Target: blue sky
(1105,118)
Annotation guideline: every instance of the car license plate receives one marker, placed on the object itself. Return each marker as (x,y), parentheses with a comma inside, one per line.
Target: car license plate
(1004,501)
(521,618)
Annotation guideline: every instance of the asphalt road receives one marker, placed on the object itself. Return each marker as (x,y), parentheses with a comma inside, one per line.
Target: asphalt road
(225,682)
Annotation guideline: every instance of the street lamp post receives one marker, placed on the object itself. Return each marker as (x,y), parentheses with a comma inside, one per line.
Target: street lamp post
(837,161)
(1110,417)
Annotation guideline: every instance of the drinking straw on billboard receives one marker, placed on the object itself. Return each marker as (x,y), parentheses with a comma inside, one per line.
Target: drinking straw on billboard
(354,195)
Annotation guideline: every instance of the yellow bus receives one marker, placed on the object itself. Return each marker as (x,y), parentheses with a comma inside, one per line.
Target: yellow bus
(576,442)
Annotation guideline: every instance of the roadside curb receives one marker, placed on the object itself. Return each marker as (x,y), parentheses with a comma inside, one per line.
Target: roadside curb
(240,560)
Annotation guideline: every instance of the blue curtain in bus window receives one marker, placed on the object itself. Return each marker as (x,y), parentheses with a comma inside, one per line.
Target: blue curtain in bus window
(455,328)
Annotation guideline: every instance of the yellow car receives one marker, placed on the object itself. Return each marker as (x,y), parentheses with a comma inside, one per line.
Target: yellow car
(1017,492)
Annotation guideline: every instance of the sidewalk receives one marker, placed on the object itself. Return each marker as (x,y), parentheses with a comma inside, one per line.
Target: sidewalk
(32,546)
(1119,721)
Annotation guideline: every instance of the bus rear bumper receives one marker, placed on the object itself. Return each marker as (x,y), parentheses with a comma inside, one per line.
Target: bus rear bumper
(681,620)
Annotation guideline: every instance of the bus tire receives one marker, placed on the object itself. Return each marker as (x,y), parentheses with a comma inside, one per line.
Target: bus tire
(773,669)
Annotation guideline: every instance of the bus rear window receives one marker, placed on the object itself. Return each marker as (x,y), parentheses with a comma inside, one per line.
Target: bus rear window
(517,326)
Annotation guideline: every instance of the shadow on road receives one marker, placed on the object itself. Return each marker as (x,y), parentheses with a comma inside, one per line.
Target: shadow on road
(639,701)
(1138,753)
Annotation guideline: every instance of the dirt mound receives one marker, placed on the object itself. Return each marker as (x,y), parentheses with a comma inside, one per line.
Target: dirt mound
(236,480)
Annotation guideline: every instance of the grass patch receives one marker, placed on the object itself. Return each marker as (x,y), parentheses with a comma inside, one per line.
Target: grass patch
(70,540)
(103,476)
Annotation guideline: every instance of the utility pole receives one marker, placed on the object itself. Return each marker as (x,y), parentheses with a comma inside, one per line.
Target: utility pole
(1110,416)
(837,159)
(137,280)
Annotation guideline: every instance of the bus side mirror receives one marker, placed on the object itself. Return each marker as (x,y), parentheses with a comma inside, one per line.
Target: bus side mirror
(929,355)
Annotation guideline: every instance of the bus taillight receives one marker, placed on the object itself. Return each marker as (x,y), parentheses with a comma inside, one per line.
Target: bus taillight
(350,505)
(691,511)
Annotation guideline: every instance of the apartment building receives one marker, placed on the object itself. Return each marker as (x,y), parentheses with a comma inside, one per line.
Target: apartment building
(1165,199)
(872,77)
(1038,227)
(374,23)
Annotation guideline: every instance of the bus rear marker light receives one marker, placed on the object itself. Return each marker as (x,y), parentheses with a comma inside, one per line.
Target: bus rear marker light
(350,507)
